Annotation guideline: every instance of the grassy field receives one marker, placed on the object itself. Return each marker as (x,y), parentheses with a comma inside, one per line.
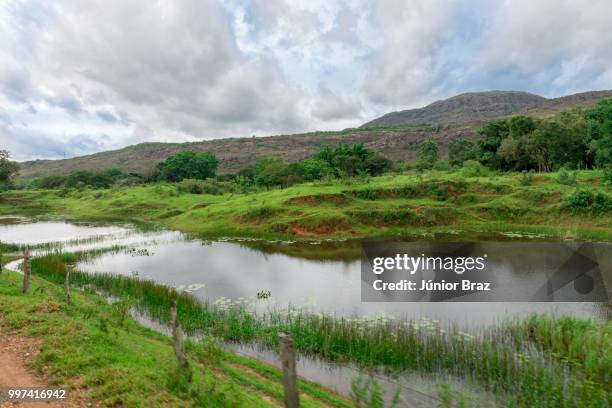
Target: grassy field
(381,206)
(541,361)
(98,349)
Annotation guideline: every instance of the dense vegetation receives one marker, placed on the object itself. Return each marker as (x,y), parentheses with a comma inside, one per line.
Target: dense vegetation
(83,178)
(575,140)
(343,161)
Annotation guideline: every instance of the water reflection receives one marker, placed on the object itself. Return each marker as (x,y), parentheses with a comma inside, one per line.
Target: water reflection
(294,273)
(20,231)
(233,271)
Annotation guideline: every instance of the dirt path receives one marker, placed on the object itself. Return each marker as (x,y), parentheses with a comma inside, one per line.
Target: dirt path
(14,350)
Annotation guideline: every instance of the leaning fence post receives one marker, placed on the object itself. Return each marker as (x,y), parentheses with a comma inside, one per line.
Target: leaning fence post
(177,335)
(287,355)
(67,287)
(27,270)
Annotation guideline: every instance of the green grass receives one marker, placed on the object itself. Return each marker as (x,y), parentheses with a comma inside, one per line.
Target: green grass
(380,206)
(4,248)
(94,347)
(542,361)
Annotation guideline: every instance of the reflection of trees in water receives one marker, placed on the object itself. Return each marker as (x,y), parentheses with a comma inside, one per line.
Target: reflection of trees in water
(350,250)
(345,251)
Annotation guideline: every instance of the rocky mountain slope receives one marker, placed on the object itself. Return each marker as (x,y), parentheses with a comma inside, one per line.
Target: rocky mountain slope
(396,135)
(480,106)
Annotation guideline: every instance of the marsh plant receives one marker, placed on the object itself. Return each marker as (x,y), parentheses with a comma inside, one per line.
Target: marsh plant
(540,361)
(367,392)
(450,398)
(566,177)
(527,178)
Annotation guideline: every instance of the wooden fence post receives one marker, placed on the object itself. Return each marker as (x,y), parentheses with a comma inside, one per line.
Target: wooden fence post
(27,270)
(177,335)
(67,287)
(287,355)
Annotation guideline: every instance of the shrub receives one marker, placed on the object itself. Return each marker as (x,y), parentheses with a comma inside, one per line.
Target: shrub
(473,168)
(527,178)
(49,182)
(366,194)
(190,186)
(260,213)
(441,165)
(212,187)
(566,177)
(607,175)
(84,178)
(584,201)
(376,164)
(316,168)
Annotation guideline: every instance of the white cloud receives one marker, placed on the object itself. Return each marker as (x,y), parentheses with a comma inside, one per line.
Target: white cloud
(85,76)
(171,71)
(403,70)
(563,42)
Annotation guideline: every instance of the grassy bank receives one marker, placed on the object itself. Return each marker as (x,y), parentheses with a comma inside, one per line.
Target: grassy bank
(538,362)
(387,205)
(97,349)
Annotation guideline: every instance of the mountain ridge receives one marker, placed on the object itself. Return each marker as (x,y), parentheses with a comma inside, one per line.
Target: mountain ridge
(478,106)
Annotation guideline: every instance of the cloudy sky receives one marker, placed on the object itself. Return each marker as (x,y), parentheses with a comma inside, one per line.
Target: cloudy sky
(80,76)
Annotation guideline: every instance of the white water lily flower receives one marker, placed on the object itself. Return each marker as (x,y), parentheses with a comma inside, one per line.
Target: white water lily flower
(193,287)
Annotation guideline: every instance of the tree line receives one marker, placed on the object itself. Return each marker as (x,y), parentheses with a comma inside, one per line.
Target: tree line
(571,140)
(574,140)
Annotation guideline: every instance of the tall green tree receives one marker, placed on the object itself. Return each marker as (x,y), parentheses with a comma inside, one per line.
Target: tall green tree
(316,168)
(187,165)
(599,134)
(8,169)
(460,151)
(492,135)
(428,154)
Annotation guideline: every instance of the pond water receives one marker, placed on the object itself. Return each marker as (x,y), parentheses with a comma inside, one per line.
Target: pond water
(320,277)
(290,272)
(17,230)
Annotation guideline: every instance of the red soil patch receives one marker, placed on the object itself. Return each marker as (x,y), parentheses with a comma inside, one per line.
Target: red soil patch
(318,198)
(15,353)
(318,231)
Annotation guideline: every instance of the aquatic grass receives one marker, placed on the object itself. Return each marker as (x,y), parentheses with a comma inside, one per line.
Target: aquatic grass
(92,348)
(5,247)
(541,361)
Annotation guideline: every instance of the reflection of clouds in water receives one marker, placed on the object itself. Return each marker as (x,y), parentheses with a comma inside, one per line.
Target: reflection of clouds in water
(237,273)
(52,231)
(232,272)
